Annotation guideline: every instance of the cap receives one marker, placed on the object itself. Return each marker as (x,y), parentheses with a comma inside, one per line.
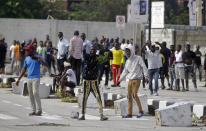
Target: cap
(30,46)
(66,64)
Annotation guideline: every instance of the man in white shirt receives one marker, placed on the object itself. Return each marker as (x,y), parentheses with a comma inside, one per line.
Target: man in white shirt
(62,46)
(12,55)
(179,68)
(154,63)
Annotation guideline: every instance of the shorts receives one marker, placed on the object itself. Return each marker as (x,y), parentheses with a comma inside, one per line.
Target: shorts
(180,72)
(164,72)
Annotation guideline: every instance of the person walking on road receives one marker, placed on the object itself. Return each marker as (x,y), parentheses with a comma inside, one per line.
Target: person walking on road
(133,71)
(116,63)
(90,83)
(32,65)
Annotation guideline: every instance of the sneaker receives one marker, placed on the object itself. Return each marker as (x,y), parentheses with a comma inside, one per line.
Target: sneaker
(38,113)
(113,85)
(103,118)
(156,94)
(187,89)
(32,114)
(163,87)
(107,87)
(127,116)
(140,115)
(82,117)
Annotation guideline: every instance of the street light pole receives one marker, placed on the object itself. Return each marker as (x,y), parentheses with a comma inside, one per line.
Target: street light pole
(149,19)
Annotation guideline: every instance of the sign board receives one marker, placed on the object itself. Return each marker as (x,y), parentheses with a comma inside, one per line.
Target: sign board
(120,22)
(192,12)
(129,14)
(139,11)
(158,9)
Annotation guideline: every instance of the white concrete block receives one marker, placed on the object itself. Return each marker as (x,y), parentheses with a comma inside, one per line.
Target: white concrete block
(77,91)
(198,110)
(162,104)
(121,106)
(44,90)
(17,89)
(178,114)
(91,102)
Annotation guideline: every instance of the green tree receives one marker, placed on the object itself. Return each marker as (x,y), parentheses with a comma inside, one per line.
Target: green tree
(99,10)
(36,9)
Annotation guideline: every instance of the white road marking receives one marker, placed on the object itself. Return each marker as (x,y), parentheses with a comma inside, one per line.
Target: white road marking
(5,101)
(17,105)
(7,117)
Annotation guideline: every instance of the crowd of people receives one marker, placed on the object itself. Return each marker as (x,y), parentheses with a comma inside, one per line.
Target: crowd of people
(81,62)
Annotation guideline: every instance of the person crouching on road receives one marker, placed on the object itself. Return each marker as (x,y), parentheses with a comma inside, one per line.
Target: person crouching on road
(90,83)
(32,65)
(133,71)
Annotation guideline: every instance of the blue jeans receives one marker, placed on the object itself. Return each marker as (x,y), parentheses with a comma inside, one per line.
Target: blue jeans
(199,67)
(172,77)
(153,73)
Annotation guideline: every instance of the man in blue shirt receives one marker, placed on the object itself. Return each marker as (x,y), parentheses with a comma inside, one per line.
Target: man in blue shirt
(32,65)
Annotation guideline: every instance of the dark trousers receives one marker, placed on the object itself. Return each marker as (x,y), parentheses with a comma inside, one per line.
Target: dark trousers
(189,71)
(104,69)
(60,65)
(76,66)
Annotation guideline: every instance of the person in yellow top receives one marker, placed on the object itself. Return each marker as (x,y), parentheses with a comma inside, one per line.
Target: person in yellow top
(116,63)
(16,51)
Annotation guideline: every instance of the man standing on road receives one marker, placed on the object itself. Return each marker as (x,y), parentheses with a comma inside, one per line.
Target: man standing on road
(188,58)
(154,63)
(62,46)
(2,56)
(75,52)
(179,68)
(133,71)
(172,68)
(86,50)
(90,83)
(198,64)
(32,65)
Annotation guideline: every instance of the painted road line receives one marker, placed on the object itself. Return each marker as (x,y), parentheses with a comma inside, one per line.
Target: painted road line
(17,105)
(7,117)
(5,101)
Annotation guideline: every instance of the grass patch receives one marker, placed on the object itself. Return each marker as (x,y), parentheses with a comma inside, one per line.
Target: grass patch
(3,85)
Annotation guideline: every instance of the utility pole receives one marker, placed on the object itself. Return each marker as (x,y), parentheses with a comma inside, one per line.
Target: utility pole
(150,16)
(198,12)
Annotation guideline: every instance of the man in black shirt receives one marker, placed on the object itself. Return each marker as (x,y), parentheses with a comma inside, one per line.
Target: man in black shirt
(188,58)
(90,83)
(3,55)
(198,64)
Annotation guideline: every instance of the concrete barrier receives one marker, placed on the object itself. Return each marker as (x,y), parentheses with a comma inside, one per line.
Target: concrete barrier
(121,106)
(178,114)
(44,90)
